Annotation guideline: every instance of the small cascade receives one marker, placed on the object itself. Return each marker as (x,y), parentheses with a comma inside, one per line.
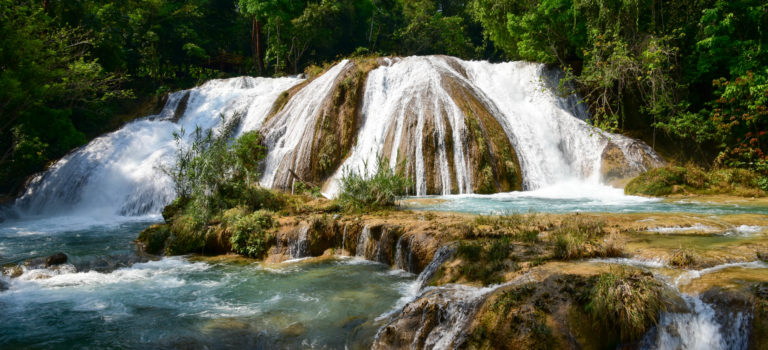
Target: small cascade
(699,328)
(699,325)
(399,259)
(300,247)
(405,259)
(435,317)
(363,243)
(442,255)
(703,326)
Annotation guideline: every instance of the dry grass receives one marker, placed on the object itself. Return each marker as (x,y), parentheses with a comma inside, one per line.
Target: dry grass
(629,301)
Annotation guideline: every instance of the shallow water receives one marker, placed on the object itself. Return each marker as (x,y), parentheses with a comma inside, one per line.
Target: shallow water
(175,302)
(573,197)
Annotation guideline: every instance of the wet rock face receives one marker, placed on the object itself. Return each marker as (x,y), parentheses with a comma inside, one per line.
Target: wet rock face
(399,244)
(12,271)
(625,158)
(410,329)
(322,116)
(438,319)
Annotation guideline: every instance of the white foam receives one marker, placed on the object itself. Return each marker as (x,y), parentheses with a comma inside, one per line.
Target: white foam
(698,227)
(689,275)
(746,230)
(646,263)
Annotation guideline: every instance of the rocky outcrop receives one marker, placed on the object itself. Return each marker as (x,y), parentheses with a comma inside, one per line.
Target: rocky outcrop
(56,259)
(406,244)
(624,158)
(319,120)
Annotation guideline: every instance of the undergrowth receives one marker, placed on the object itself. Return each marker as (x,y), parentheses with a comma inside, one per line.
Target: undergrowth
(578,238)
(364,190)
(692,179)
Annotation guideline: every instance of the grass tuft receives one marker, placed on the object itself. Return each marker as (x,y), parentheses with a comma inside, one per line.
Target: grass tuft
(628,301)
(364,191)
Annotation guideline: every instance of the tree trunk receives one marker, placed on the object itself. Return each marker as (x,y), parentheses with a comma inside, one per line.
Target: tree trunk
(256,43)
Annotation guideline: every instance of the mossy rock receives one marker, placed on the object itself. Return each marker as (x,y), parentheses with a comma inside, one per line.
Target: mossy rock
(657,182)
(154,238)
(691,179)
(758,337)
(176,207)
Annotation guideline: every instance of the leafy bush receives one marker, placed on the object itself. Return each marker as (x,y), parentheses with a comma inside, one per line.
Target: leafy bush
(209,175)
(250,233)
(365,191)
(630,302)
(763,183)
(187,235)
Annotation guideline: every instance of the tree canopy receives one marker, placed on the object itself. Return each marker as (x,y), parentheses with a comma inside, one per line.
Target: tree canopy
(690,76)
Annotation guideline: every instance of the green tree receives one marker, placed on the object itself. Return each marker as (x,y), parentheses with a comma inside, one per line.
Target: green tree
(48,75)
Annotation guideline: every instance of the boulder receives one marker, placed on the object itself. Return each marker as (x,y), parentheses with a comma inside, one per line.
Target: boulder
(12,271)
(56,259)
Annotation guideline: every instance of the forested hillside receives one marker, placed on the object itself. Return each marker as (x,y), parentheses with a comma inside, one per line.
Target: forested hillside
(689,77)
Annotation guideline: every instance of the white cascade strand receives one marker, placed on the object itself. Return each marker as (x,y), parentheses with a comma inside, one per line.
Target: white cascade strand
(286,133)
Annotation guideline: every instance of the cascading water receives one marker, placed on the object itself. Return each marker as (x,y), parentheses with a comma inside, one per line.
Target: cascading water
(119,173)
(698,325)
(300,247)
(699,328)
(363,243)
(289,134)
(552,140)
(436,113)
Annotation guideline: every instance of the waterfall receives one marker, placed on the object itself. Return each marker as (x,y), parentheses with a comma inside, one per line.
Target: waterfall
(399,262)
(699,329)
(299,248)
(459,126)
(119,173)
(363,241)
(553,141)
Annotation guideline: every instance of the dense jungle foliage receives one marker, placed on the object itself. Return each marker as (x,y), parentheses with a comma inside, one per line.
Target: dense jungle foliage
(689,77)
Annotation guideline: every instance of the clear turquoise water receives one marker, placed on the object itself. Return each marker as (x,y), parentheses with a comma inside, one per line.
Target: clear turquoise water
(178,303)
(108,297)
(576,197)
